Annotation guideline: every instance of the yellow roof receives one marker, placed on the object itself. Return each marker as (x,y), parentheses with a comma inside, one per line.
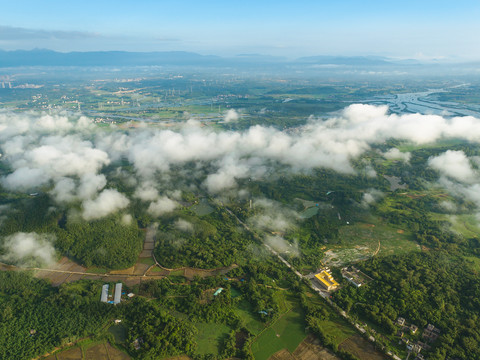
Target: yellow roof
(326,279)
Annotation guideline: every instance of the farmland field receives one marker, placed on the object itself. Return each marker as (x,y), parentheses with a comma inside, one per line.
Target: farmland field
(287,332)
(209,337)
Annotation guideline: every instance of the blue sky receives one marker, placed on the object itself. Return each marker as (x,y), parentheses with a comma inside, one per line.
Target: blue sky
(412,29)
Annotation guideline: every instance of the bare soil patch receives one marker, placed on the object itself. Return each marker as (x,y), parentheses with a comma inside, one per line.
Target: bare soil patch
(97,352)
(283,354)
(71,354)
(311,349)
(116,354)
(361,348)
(308,349)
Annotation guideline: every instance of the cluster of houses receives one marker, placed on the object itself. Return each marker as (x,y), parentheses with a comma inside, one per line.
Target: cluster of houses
(429,335)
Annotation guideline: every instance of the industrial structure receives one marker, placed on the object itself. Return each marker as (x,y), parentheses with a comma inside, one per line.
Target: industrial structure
(117,296)
(118,293)
(104,296)
(326,279)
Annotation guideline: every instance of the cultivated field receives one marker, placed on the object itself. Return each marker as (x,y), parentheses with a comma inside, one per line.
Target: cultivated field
(103,351)
(361,348)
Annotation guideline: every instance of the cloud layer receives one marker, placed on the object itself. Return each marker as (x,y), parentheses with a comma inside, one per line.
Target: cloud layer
(67,155)
(29,249)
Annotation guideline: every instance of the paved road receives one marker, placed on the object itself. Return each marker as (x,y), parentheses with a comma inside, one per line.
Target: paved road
(316,288)
(324,294)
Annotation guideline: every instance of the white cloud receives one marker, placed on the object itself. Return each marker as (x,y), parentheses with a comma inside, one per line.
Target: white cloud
(90,185)
(272,216)
(162,206)
(29,248)
(371,197)
(25,178)
(281,245)
(127,219)
(107,202)
(146,192)
(184,225)
(455,165)
(64,190)
(395,154)
(230,115)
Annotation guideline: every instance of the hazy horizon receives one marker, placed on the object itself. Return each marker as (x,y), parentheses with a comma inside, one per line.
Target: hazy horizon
(423,31)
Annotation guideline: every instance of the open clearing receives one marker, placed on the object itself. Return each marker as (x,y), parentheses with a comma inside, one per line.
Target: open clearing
(244,311)
(361,241)
(102,351)
(309,349)
(361,348)
(466,225)
(209,337)
(202,208)
(286,333)
(338,330)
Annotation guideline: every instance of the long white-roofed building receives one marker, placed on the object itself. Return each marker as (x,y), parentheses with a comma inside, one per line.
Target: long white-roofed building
(104,296)
(118,293)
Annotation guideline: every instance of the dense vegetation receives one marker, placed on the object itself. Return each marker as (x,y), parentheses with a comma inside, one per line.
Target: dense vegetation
(106,242)
(212,241)
(35,317)
(437,285)
(157,333)
(424,288)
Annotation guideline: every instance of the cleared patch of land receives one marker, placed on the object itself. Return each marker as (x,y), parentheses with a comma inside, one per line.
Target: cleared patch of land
(285,333)
(361,348)
(74,353)
(209,337)
(97,352)
(244,311)
(94,351)
(362,240)
(309,349)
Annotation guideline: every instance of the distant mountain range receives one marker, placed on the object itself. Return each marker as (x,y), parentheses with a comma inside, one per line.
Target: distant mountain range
(42,57)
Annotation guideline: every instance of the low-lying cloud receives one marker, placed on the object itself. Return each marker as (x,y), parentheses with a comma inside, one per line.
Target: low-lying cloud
(68,155)
(395,154)
(107,202)
(455,165)
(281,245)
(29,249)
(162,206)
(231,115)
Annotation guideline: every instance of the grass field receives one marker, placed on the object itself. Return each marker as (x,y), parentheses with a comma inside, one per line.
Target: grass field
(286,333)
(90,350)
(308,213)
(474,262)
(338,330)
(147,261)
(466,224)
(97,270)
(119,332)
(234,292)
(361,241)
(202,208)
(336,326)
(244,311)
(209,337)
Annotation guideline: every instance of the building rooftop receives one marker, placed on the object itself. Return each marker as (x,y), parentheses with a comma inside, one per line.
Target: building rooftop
(118,293)
(104,297)
(327,279)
